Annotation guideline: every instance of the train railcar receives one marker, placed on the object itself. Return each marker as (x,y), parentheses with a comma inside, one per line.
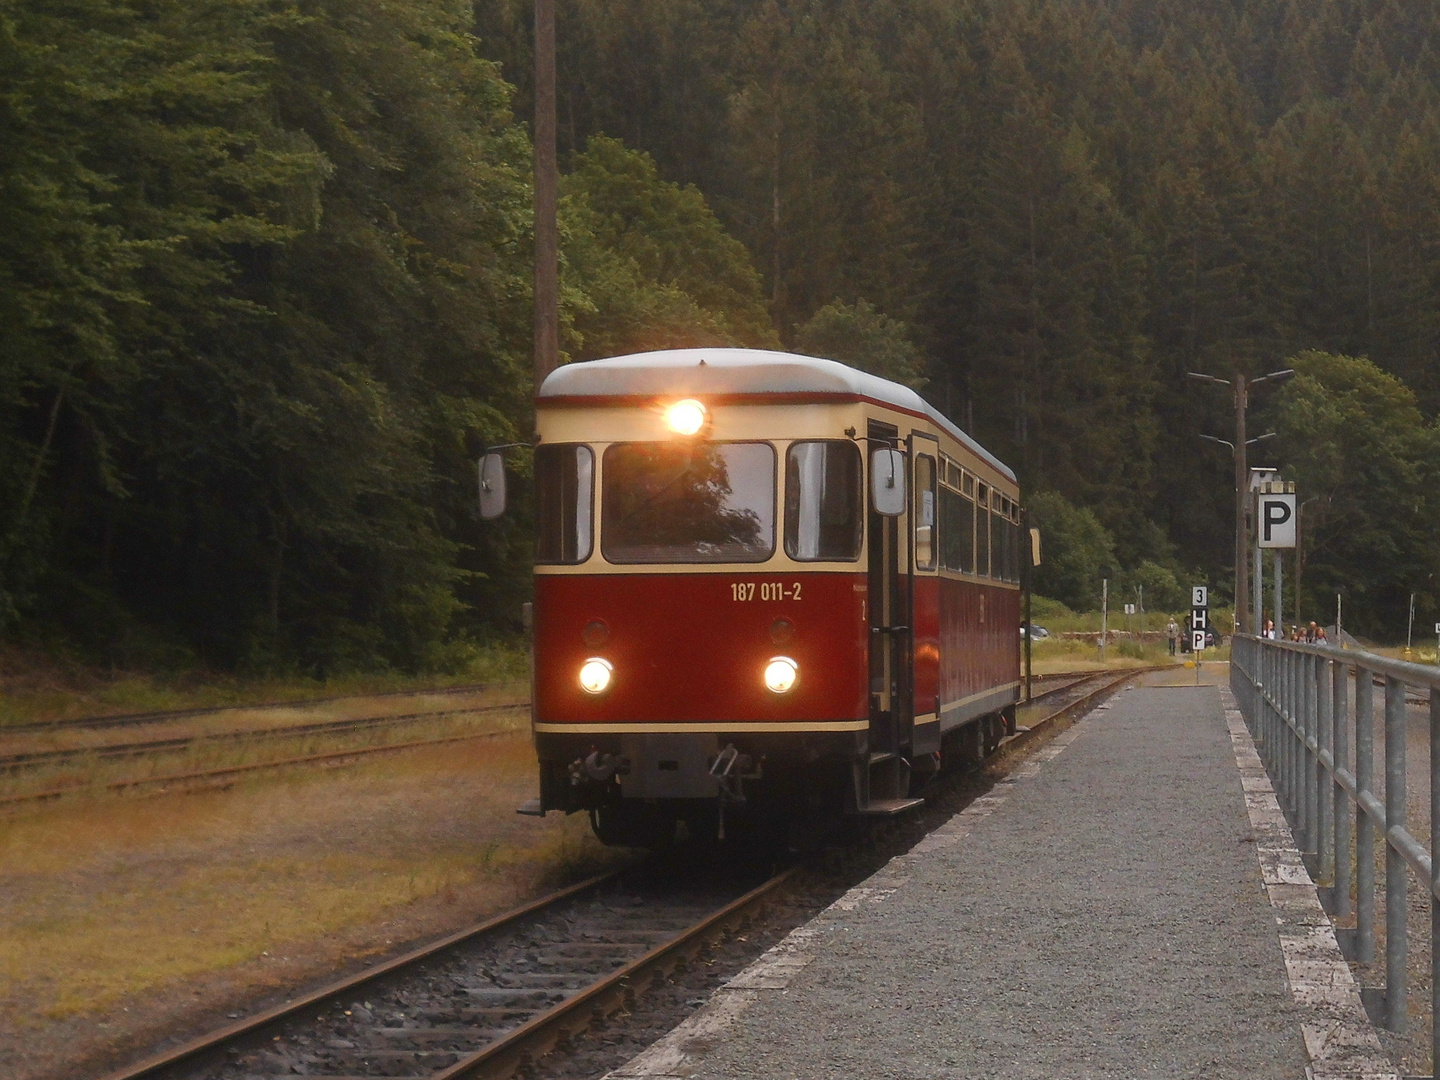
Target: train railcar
(769,589)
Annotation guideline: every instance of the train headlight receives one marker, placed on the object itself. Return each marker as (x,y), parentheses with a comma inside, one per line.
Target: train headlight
(686,417)
(780,674)
(595,675)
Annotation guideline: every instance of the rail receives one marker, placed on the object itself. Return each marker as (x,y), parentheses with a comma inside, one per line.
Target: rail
(1297,701)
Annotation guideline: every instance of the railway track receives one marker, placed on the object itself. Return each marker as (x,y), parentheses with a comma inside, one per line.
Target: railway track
(111,751)
(164,715)
(481,1002)
(486,1001)
(231,771)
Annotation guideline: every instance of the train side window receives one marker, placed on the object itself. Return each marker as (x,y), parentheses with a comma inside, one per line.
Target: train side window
(957,532)
(999,549)
(924,512)
(982,530)
(824,501)
(564,502)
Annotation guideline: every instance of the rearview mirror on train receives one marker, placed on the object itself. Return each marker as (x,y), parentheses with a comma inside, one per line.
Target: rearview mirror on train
(887,482)
(492,486)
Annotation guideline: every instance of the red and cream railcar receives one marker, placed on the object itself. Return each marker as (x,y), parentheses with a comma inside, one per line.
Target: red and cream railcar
(767,588)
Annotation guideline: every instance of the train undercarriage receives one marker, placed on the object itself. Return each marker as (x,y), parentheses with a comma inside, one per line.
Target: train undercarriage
(796,790)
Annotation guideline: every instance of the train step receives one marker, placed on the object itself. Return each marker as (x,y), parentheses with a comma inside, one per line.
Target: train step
(888,807)
(878,756)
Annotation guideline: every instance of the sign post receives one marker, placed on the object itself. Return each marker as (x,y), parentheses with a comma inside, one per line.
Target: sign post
(1199,624)
(1276,521)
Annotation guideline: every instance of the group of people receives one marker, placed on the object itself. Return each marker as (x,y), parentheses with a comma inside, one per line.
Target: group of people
(1312,634)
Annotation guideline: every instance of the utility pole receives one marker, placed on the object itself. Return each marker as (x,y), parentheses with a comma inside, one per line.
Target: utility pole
(547,182)
(1104,612)
(1241,386)
(1242,496)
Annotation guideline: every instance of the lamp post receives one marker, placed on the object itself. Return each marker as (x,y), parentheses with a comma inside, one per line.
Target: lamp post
(1300,554)
(1241,387)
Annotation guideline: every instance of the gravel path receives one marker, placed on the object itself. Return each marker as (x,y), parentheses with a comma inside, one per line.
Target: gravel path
(1105,919)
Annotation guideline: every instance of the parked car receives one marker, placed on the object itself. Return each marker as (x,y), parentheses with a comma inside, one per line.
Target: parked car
(1036,632)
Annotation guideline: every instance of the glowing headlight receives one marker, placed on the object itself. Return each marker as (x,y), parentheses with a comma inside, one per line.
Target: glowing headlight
(780,674)
(686,417)
(595,675)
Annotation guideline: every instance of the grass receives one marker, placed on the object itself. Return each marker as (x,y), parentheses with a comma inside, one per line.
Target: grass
(88,775)
(105,899)
(35,686)
(1079,654)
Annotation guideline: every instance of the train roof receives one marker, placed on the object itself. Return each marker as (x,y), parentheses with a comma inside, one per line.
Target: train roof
(703,372)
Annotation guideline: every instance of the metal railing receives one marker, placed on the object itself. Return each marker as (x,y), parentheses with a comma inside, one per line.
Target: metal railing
(1297,701)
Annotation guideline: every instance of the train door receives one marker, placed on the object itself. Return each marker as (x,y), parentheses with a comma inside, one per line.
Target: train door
(882,785)
(923,602)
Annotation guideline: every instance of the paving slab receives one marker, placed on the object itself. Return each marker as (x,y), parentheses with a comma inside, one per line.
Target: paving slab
(1100,914)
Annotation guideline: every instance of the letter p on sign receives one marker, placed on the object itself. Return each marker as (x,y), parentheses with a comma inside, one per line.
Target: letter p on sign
(1277,521)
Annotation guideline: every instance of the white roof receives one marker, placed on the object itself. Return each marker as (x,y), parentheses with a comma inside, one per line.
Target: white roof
(700,372)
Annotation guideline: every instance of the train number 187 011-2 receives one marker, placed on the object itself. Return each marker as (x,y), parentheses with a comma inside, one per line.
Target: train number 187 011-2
(769,590)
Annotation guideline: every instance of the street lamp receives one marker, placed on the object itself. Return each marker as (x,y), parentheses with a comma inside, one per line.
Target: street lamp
(1241,387)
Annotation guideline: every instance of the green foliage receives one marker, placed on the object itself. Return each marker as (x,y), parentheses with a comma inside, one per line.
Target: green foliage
(1074,550)
(1163,591)
(858,335)
(1356,442)
(1068,205)
(264,280)
(649,264)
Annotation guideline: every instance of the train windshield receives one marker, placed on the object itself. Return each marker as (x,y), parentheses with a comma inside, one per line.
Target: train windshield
(688,502)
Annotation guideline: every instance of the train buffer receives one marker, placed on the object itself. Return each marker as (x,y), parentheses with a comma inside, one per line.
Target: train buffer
(1101,913)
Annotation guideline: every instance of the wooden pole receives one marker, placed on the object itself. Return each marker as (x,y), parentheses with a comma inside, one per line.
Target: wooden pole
(547,237)
(1242,482)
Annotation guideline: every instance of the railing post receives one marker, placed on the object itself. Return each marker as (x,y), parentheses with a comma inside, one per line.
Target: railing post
(1341,750)
(1396,878)
(1434,876)
(1364,827)
(1283,744)
(1297,745)
(1324,742)
(1272,729)
(1310,772)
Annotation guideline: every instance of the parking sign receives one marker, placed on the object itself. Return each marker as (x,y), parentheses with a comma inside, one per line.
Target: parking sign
(1197,640)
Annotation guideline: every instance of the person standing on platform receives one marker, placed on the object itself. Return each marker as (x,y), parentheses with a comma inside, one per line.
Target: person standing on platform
(1172,635)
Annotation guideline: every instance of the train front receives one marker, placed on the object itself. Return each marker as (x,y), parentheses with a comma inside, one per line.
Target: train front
(700,625)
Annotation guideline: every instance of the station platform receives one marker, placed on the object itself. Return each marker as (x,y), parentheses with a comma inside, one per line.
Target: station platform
(1127,903)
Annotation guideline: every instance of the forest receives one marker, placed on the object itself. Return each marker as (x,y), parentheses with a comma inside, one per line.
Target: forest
(265,284)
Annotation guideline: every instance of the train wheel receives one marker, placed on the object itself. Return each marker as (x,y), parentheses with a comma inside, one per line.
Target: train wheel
(620,825)
(994,732)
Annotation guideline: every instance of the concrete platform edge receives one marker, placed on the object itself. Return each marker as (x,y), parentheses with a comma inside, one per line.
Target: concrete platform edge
(1339,1040)
(678,1055)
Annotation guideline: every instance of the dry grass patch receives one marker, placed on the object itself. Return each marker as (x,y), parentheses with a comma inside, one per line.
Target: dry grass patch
(111,904)
(88,774)
(36,685)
